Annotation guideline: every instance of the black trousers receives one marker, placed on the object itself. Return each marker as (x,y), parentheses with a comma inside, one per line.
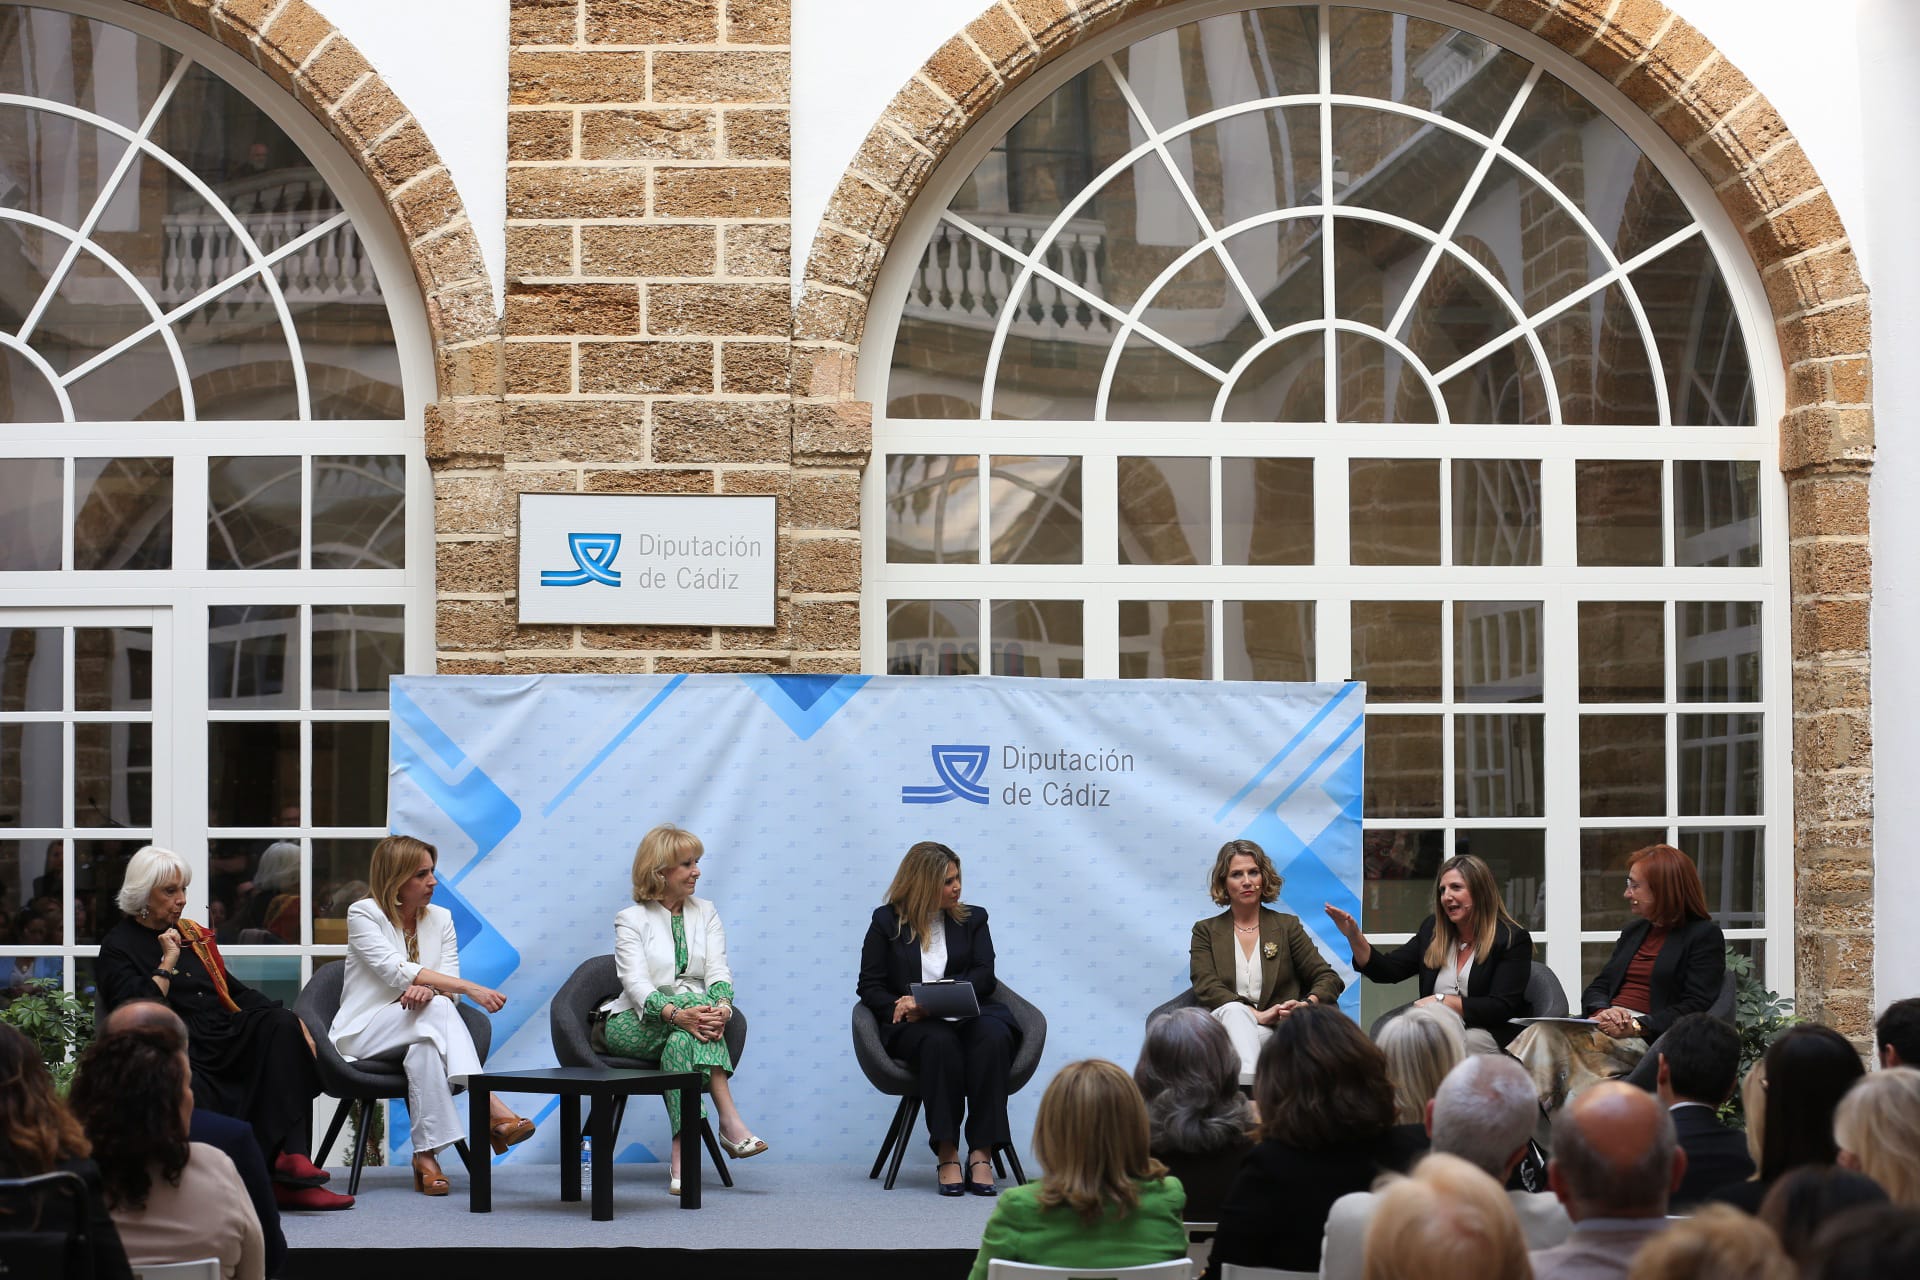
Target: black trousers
(963,1069)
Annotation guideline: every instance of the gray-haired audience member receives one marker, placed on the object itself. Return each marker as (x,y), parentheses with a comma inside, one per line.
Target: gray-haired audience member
(1483,1113)
(1199,1125)
(1615,1163)
(1699,1065)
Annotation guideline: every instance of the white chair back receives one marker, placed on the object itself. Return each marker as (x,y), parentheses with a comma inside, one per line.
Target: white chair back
(199,1269)
(1176,1269)
(1200,1244)
(1234,1271)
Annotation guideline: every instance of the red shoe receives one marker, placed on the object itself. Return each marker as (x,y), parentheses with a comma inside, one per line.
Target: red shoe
(309,1198)
(298,1171)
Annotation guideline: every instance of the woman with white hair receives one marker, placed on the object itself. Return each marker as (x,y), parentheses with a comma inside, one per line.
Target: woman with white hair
(251,1057)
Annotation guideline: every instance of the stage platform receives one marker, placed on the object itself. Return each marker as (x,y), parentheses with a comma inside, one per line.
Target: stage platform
(778,1219)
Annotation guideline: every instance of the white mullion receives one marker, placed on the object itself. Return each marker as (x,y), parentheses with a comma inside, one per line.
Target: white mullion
(1449,710)
(983,463)
(1444,465)
(1329,359)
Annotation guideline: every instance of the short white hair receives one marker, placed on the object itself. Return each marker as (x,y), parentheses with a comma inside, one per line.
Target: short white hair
(1484,1111)
(149,867)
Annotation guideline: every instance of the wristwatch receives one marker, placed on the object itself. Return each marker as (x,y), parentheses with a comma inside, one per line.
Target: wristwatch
(163,972)
(1638,1029)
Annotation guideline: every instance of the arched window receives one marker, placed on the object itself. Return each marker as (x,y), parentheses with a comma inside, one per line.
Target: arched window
(213,544)
(1313,341)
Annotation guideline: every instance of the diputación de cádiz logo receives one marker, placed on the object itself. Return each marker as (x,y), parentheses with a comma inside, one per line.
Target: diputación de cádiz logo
(593,555)
(960,769)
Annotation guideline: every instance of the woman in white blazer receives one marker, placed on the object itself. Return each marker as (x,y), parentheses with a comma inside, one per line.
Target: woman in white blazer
(676,991)
(401,958)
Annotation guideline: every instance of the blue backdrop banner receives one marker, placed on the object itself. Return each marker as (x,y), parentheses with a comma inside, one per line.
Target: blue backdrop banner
(1086,813)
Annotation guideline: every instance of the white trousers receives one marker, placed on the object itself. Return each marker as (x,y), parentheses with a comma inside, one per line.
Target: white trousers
(1245,1031)
(433,1044)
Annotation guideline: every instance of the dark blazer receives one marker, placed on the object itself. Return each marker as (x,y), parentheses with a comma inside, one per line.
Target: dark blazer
(1276,1213)
(1294,970)
(1496,986)
(890,965)
(235,1137)
(1687,974)
(1207,1176)
(1716,1155)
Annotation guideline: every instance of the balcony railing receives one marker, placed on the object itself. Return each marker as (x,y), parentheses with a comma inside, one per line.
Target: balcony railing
(961,282)
(201,250)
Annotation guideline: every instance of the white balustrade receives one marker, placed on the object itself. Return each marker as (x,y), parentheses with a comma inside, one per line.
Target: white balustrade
(201,250)
(960,281)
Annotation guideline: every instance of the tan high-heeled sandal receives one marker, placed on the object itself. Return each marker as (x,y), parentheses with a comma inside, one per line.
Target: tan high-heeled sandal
(509,1133)
(427,1178)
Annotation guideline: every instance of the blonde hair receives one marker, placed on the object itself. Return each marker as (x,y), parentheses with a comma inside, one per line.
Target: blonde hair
(1489,909)
(915,892)
(1448,1219)
(1717,1243)
(659,849)
(1421,1045)
(394,861)
(1270,880)
(1091,1138)
(1879,1122)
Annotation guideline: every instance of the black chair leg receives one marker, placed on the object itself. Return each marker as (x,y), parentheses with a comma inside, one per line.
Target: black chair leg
(900,1142)
(893,1135)
(466,1156)
(999,1165)
(713,1151)
(359,1144)
(1013,1158)
(333,1132)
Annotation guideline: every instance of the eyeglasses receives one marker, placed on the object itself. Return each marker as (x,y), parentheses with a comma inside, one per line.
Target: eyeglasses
(1633,884)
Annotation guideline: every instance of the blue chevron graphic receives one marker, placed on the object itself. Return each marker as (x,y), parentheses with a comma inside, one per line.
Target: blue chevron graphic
(805,702)
(460,788)
(1293,744)
(600,757)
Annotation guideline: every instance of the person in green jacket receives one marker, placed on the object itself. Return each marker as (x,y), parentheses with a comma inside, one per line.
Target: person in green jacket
(1104,1201)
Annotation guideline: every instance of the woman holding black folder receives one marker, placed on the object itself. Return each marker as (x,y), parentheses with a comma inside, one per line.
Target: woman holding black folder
(923,934)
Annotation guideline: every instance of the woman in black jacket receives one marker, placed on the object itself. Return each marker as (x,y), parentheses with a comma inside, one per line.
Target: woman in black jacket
(1473,958)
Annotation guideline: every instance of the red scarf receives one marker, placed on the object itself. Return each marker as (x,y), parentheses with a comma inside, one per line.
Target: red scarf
(201,940)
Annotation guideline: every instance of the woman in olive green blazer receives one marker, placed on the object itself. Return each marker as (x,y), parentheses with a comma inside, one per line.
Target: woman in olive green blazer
(1251,966)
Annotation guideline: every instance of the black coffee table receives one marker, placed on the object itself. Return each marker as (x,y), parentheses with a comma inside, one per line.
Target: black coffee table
(601,1085)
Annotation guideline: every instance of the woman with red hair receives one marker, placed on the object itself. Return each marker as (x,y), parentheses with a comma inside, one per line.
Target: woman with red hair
(1671,961)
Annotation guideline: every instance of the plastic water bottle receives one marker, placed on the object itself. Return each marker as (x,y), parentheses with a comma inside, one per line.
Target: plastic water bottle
(586,1163)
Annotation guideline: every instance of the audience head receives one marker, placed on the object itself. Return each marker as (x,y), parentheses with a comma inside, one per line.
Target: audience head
(1802,1201)
(1255,859)
(1091,1138)
(1447,1219)
(36,1129)
(150,866)
(1189,1075)
(1809,1069)
(659,849)
(1665,886)
(1421,1046)
(1897,1033)
(132,1097)
(152,1017)
(1320,1082)
(1866,1244)
(920,888)
(1877,1130)
(396,860)
(1484,1113)
(1699,1060)
(1614,1154)
(1718,1243)
(278,870)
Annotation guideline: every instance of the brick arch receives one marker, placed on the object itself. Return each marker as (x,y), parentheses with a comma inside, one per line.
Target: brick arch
(1793,235)
(303,52)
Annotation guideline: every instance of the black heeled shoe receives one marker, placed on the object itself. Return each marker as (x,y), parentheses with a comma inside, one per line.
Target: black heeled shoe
(981,1188)
(949,1188)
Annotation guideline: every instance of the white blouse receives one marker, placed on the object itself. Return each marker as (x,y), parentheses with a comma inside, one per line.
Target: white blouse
(1452,979)
(1246,972)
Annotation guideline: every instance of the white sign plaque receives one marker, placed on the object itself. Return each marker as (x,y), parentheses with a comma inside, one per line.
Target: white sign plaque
(652,559)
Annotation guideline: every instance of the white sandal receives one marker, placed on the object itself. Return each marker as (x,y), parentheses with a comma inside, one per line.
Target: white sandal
(747,1146)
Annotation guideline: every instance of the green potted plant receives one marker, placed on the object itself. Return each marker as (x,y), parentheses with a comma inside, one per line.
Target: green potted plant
(58,1021)
(1759,1015)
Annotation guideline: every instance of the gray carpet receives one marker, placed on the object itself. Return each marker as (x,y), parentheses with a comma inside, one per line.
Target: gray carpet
(772,1205)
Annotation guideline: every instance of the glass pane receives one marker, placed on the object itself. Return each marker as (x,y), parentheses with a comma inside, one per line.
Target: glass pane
(1499,766)
(1034,510)
(17,969)
(1373,266)
(113,668)
(253,513)
(359,512)
(123,513)
(1403,767)
(275,977)
(99,869)
(1284,383)
(1399,868)
(1720,764)
(1623,766)
(1605,853)
(1152,383)
(1378,385)
(30,669)
(1269,639)
(1456,314)
(140,384)
(1704,352)
(1399,164)
(30,870)
(350,774)
(1619,517)
(1393,514)
(933,508)
(933,637)
(31,775)
(1518,860)
(1558,257)
(1280,260)
(1716,513)
(262,904)
(113,775)
(1733,871)
(1599,362)
(1165,511)
(1623,651)
(253,657)
(1038,638)
(1502,388)
(50,179)
(356,649)
(1496,651)
(1423,64)
(346,339)
(1496,511)
(1166,639)
(1217,62)
(253,774)
(1396,649)
(340,870)
(30,514)
(1719,650)
(106,70)
(1266,514)
(958,290)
